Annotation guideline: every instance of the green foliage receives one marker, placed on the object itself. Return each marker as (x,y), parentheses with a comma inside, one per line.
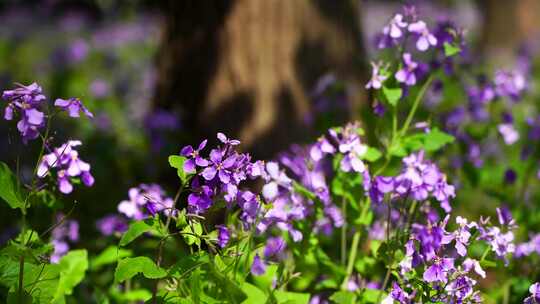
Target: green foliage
(72,269)
(177,162)
(343,297)
(254,295)
(393,95)
(431,141)
(136,229)
(192,233)
(129,267)
(110,255)
(287,297)
(9,188)
(451,49)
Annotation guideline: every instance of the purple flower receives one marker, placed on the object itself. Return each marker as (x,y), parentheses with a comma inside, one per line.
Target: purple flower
(145,200)
(219,166)
(395,26)
(425,38)
(274,248)
(200,199)
(462,235)
(277,179)
(509,134)
(320,148)
(470,264)
(501,243)
(223,236)
(378,108)
(25,100)
(460,290)
(534,298)
(380,186)
(505,217)
(67,231)
(194,158)
(438,271)
(397,294)
(406,74)
(111,224)
(227,141)
(420,178)
(509,84)
(65,159)
(377,78)
(258,267)
(73,106)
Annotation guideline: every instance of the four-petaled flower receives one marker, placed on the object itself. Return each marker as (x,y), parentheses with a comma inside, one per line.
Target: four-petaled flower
(407,74)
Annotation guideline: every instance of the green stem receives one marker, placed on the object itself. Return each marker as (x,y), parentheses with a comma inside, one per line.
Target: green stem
(352,259)
(385,282)
(412,212)
(484,255)
(415,105)
(344,232)
(25,206)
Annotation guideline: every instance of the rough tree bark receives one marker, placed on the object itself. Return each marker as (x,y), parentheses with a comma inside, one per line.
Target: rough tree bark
(245,66)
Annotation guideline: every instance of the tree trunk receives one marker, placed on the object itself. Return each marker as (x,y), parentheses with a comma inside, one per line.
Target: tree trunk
(245,67)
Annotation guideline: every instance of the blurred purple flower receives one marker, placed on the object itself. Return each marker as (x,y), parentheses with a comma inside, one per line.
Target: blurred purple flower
(258,267)
(223,235)
(73,106)
(425,38)
(111,224)
(406,74)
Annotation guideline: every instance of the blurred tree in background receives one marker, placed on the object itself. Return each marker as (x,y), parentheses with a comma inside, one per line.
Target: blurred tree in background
(247,67)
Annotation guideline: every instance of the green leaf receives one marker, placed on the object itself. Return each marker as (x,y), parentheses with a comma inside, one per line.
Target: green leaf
(488,264)
(436,139)
(177,162)
(136,229)
(187,263)
(192,233)
(254,294)
(343,297)
(43,284)
(371,295)
(450,49)
(431,141)
(372,154)
(72,269)
(9,188)
(265,281)
(287,297)
(229,287)
(129,267)
(392,95)
(109,256)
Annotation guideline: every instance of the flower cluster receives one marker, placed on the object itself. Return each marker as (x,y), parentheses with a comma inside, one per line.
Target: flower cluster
(444,259)
(68,166)
(220,176)
(66,232)
(144,201)
(26,100)
(419,179)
